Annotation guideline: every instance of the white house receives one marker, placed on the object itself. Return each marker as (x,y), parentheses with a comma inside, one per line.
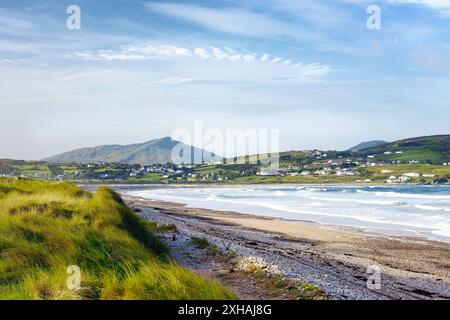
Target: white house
(345,172)
(404,179)
(392,179)
(267,172)
(412,174)
(429,175)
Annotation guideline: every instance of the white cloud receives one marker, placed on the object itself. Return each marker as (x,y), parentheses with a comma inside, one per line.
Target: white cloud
(142,52)
(441,5)
(228,20)
(83,75)
(176,80)
(9,24)
(219,54)
(249,57)
(436,4)
(298,71)
(265,57)
(202,53)
(235,57)
(8,61)
(214,65)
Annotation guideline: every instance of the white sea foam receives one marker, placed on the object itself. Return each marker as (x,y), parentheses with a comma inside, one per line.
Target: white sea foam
(395,210)
(367,202)
(431,208)
(411,195)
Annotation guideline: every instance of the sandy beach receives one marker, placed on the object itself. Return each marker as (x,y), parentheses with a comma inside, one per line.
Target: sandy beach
(335,260)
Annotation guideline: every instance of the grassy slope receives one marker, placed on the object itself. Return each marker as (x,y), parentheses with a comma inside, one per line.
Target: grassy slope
(46,227)
(432,148)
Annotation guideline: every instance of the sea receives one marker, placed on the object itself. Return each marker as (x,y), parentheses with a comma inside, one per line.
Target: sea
(407,210)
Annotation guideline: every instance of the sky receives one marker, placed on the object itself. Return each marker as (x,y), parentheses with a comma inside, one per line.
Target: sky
(140,70)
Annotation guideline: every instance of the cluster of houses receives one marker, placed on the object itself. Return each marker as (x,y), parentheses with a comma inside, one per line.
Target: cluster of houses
(317,155)
(386,153)
(315,164)
(339,168)
(407,177)
(346,167)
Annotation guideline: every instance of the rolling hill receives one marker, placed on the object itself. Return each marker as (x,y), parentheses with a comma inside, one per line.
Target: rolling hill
(367,144)
(150,152)
(433,149)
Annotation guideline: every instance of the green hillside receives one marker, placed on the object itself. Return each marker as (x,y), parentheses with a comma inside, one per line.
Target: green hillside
(150,152)
(45,227)
(367,144)
(432,149)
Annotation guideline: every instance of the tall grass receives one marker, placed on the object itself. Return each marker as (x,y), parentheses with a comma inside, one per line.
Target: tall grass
(47,226)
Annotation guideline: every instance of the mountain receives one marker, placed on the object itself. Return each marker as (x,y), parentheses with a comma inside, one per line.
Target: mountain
(367,144)
(433,149)
(150,152)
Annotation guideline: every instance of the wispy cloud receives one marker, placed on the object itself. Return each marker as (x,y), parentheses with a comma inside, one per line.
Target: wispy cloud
(9,24)
(133,52)
(436,4)
(229,20)
(154,51)
(176,80)
(168,52)
(442,6)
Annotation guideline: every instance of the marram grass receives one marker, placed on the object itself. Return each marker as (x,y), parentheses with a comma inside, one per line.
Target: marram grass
(45,227)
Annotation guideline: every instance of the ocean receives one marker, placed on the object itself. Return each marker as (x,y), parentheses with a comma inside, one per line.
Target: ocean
(384,210)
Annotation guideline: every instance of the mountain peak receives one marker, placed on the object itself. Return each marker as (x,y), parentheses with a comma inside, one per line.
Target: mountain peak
(150,152)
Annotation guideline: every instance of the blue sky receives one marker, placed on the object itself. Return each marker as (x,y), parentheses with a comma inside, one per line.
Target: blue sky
(138,70)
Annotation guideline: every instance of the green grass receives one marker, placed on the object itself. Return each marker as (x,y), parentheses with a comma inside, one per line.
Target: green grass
(149,177)
(435,149)
(417,154)
(201,243)
(400,169)
(212,250)
(45,227)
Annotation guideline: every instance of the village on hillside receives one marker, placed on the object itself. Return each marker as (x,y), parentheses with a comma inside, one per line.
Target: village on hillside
(311,167)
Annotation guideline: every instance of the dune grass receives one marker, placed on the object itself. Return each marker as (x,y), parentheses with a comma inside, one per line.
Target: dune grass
(45,227)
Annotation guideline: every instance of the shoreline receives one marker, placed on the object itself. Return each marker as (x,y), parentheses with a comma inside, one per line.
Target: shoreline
(346,223)
(335,260)
(256,184)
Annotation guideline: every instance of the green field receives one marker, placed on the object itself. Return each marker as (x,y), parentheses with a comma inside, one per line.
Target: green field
(433,149)
(46,227)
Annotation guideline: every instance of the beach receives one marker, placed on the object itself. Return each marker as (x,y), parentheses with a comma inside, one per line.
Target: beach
(335,259)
